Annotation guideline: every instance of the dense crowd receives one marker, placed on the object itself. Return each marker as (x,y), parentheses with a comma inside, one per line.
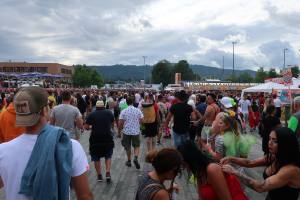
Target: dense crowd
(212,134)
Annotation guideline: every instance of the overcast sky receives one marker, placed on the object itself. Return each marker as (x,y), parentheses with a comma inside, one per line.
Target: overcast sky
(105,32)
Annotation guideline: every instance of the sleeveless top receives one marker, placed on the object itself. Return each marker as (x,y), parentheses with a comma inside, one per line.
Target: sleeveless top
(148,187)
(284,192)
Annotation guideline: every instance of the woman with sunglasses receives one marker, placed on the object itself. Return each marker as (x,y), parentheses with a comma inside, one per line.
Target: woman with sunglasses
(166,163)
(282,173)
(212,182)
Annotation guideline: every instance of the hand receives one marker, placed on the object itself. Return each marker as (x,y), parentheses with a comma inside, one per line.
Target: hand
(174,188)
(225,161)
(229,169)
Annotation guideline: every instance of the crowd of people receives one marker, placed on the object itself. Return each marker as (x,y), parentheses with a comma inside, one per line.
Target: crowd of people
(212,134)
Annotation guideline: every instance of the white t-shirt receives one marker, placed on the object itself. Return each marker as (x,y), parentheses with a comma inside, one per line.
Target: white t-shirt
(137,98)
(245,105)
(131,117)
(14,156)
(277,103)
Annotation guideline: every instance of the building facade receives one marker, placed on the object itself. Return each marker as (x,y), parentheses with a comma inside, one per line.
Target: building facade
(24,67)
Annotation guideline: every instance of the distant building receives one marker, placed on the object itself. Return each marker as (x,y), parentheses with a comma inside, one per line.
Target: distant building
(24,67)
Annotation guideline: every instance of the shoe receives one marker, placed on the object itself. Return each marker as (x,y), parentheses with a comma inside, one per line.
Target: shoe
(108,177)
(136,163)
(128,163)
(100,178)
(158,143)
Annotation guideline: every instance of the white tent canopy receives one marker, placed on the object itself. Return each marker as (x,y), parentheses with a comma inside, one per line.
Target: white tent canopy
(265,87)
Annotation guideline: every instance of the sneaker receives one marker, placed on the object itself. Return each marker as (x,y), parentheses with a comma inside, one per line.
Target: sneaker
(100,178)
(158,143)
(108,177)
(128,163)
(136,163)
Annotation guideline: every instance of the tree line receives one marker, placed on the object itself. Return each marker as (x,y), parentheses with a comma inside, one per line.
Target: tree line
(164,72)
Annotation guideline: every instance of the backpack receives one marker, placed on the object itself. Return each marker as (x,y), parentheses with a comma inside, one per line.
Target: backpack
(149,113)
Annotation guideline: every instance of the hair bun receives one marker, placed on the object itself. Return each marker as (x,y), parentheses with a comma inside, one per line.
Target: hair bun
(151,156)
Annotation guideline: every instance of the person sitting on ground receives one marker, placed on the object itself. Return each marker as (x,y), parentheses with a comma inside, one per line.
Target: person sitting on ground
(167,163)
(282,175)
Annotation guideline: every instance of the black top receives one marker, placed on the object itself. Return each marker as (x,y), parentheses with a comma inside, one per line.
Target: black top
(182,113)
(101,122)
(282,193)
(269,124)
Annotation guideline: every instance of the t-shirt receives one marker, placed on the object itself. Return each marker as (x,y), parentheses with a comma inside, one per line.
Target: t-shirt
(131,117)
(137,98)
(8,128)
(65,116)
(101,122)
(182,113)
(245,105)
(277,103)
(14,156)
(201,107)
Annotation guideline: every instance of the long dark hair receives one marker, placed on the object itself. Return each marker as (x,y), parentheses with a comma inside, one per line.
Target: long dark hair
(288,148)
(197,162)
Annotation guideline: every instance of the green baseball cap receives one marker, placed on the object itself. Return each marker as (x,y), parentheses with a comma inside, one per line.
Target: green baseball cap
(28,103)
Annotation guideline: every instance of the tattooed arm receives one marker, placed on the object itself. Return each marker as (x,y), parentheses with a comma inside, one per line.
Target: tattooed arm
(281,178)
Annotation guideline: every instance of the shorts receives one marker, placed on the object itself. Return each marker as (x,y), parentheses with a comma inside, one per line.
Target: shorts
(130,140)
(101,150)
(106,155)
(180,139)
(205,133)
(74,134)
(151,129)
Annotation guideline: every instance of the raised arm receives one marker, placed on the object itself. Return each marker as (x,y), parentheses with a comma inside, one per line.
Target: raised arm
(244,162)
(280,179)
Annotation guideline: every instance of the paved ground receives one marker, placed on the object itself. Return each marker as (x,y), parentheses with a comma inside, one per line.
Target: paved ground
(124,179)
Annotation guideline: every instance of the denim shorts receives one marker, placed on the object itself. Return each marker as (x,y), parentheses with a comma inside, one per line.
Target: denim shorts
(180,139)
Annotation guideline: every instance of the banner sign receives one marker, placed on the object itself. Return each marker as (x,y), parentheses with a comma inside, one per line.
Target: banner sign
(287,76)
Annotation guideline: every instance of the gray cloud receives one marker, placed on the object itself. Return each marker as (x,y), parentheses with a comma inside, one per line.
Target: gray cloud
(117,31)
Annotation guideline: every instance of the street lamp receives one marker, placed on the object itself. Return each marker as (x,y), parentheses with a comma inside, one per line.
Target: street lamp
(284,50)
(233,43)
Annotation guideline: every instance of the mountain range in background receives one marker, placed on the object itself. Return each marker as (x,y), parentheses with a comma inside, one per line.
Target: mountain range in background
(136,73)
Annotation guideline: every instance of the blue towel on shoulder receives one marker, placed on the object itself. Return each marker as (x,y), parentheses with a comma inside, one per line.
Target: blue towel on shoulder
(47,175)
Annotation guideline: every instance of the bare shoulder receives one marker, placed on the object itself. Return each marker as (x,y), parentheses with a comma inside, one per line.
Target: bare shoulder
(161,195)
(213,168)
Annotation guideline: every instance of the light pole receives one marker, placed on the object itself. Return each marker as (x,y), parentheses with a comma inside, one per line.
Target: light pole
(144,57)
(284,50)
(233,43)
(223,68)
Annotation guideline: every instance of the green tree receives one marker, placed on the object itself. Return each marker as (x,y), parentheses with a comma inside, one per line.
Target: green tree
(261,75)
(245,77)
(232,78)
(295,71)
(161,73)
(272,73)
(85,77)
(183,67)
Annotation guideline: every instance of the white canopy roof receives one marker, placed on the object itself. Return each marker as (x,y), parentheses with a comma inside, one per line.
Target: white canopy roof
(265,87)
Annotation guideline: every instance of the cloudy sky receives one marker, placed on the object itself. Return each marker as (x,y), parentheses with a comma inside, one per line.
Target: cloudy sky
(104,32)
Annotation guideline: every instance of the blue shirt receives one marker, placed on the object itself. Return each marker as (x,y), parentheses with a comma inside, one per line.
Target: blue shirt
(201,108)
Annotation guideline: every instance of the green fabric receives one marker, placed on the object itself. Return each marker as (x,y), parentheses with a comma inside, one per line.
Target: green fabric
(123,106)
(293,123)
(238,145)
